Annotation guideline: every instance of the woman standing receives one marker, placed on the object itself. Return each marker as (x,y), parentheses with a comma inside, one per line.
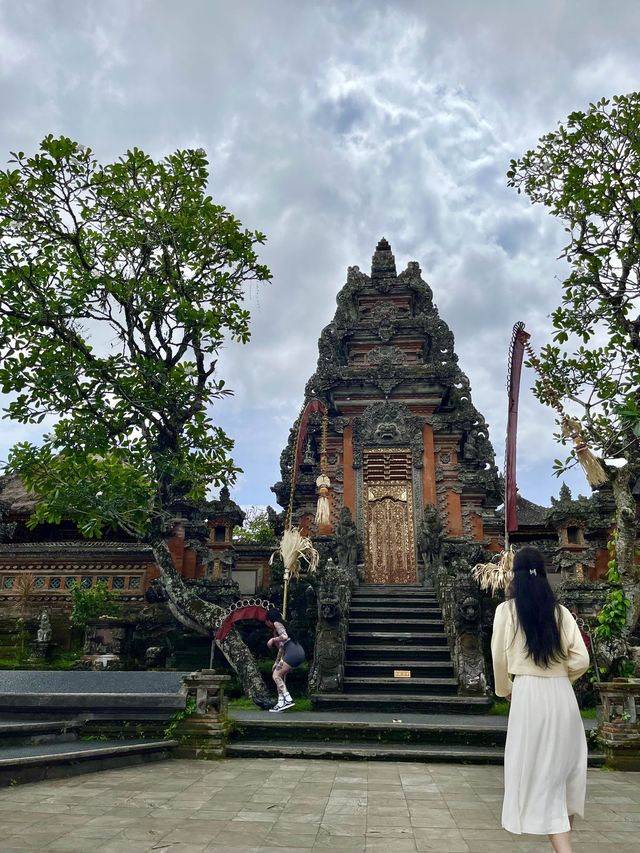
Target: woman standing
(537,652)
(290,655)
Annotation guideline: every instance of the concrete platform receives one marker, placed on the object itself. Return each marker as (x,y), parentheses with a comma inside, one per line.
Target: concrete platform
(298,806)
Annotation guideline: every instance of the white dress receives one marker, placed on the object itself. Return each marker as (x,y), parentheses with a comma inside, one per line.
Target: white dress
(545,758)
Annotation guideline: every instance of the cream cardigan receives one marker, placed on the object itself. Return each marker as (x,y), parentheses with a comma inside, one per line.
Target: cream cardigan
(509,650)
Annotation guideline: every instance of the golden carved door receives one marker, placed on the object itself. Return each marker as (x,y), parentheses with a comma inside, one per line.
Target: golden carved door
(388,517)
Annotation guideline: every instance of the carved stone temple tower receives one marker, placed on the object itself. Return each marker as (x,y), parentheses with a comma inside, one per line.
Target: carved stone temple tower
(403,432)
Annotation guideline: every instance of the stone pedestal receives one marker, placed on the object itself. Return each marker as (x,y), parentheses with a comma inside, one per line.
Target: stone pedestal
(203,734)
(108,635)
(41,650)
(619,730)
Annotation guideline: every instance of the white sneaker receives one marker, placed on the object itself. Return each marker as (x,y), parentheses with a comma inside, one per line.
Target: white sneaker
(280,706)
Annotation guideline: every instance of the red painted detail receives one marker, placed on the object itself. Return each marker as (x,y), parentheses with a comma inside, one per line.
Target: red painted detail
(252,612)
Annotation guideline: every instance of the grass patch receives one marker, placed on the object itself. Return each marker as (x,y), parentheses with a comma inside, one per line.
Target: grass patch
(500,708)
(589,713)
(244,704)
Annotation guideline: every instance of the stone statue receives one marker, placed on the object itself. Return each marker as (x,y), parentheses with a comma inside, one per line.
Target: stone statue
(430,532)
(227,563)
(44,628)
(327,668)
(346,539)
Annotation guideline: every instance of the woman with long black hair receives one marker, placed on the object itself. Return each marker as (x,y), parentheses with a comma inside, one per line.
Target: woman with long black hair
(538,652)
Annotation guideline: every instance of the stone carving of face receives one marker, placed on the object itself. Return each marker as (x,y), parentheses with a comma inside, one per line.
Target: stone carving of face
(387,431)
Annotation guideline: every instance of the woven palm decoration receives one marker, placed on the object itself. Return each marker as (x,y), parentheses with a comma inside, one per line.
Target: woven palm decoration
(293,548)
(496,575)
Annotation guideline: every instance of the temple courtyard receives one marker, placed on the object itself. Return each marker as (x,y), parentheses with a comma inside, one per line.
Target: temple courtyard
(286,805)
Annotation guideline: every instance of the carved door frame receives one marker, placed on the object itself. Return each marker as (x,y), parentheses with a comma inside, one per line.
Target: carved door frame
(387,473)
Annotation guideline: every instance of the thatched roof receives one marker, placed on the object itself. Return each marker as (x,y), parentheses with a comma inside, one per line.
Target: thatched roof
(14,495)
(529,514)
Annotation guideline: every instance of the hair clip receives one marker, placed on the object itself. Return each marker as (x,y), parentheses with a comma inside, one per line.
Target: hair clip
(533,572)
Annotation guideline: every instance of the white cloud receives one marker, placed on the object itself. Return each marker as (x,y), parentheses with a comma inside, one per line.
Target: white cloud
(329,125)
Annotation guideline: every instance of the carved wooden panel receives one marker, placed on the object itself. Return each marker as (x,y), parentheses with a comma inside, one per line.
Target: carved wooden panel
(388,516)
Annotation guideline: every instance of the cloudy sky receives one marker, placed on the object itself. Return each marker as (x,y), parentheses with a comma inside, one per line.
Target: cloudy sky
(329,124)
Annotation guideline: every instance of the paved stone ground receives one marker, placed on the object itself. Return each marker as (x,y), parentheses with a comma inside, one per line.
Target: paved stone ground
(286,805)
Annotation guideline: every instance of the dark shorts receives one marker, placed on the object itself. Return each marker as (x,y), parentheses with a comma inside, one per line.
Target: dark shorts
(293,654)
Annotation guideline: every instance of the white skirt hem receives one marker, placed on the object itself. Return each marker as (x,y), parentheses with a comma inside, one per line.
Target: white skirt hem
(545,759)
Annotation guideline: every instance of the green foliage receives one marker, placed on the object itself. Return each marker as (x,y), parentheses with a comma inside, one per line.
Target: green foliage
(189,709)
(118,285)
(587,173)
(256,528)
(612,618)
(241,703)
(22,639)
(88,604)
(626,668)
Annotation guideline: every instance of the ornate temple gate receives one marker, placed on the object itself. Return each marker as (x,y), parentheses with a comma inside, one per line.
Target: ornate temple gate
(390,554)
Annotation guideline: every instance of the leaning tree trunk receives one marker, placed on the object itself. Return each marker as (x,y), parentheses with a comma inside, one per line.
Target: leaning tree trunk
(203,617)
(626,545)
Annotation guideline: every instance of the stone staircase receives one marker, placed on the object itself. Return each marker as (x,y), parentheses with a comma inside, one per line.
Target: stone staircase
(398,629)
(56,724)
(32,750)
(342,736)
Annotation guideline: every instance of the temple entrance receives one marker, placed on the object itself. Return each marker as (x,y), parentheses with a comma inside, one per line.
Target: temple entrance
(388,517)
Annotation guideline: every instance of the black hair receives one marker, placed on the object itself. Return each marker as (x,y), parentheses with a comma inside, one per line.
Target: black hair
(538,612)
(274,615)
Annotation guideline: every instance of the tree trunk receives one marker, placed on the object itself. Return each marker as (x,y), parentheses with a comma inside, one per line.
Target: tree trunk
(626,545)
(203,617)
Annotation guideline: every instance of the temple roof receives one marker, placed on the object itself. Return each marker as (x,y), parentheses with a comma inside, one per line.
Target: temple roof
(383,263)
(529,514)
(14,494)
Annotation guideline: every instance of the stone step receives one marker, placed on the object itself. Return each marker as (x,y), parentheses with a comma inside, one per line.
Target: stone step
(390,623)
(357,727)
(396,652)
(19,764)
(397,598)
(401,638)
(358,609)
(385,669)
(426,687)
(35,732)
(391,586)
(106,706)
(366,752)
(399,702)
(337,750)
(371,735)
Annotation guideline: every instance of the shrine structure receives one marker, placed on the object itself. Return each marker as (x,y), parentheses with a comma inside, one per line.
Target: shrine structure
(403,433)
(414,496)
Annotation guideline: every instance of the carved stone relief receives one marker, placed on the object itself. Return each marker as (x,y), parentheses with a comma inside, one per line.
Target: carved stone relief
(388,424)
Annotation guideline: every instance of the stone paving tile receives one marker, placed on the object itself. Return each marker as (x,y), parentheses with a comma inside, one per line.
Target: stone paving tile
(287,805)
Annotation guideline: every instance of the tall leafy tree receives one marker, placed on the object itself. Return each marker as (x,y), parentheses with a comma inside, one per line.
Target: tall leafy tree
(587,173)
(119,283)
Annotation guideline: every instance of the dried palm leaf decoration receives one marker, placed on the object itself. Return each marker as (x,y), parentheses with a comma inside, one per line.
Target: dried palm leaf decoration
(323,483)
(495,575)
(294,545)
